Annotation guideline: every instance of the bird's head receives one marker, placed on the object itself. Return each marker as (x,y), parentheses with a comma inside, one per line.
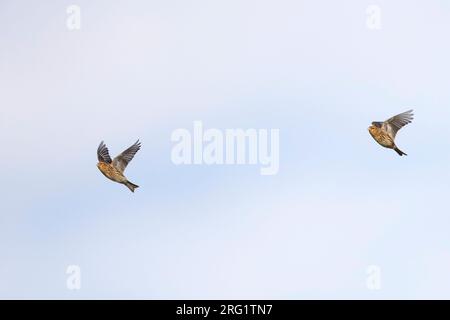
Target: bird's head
(377,124)
(372,129)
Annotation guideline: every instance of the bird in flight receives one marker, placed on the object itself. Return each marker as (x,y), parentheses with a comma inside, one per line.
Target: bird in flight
(113,169)
(384,132)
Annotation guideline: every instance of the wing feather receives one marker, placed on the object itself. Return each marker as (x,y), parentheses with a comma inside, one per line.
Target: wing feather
(121,161)
(103,153)
(394,124)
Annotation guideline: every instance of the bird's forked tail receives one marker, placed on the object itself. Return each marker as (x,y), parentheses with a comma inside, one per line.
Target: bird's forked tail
(131,186)
(400,152)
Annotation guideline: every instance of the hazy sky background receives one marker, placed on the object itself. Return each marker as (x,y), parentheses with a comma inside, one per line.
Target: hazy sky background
(141,69)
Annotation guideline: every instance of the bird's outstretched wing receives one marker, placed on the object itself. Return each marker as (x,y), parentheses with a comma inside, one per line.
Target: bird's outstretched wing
(397,122)
(121,161)
(103,153)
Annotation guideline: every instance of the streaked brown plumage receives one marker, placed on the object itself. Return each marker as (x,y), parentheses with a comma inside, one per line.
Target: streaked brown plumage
(384,132)
(113,169)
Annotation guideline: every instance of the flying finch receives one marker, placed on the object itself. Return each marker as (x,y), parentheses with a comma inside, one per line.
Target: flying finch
(384,132)
(113,169)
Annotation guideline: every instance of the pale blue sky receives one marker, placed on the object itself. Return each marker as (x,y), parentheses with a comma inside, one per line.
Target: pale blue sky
(141,69)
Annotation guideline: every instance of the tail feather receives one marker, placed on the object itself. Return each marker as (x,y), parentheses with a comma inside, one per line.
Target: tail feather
(400,152)
(131,186)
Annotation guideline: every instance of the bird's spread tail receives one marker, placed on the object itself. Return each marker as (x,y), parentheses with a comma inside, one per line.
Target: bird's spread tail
(131,186)
(400,152)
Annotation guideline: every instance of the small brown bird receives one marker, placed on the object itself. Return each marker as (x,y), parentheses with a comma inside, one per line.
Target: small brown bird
(384,132)
(114,169)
